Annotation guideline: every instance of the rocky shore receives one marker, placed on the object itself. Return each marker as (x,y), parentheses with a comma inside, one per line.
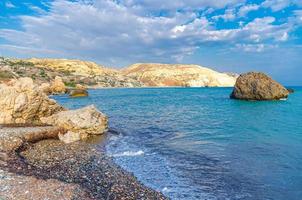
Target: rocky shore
(49,152)
(50,169)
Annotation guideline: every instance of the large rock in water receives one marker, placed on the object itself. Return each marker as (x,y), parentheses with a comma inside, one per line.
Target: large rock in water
(258,86)
(78,93)
(79,123)
(21,101)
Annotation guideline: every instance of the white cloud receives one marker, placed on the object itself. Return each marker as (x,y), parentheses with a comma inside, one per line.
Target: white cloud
(229,15)
(9,4)
(107,31)
(276,5)
(244,10)
(255,47)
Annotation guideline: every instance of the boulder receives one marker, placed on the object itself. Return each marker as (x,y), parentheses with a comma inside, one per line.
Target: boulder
(45,87)
(78,93)
(21,101)
(258,86)
(70,137)
(80,123)
(58,86)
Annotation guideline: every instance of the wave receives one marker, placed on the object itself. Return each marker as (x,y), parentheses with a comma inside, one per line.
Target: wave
(129,154)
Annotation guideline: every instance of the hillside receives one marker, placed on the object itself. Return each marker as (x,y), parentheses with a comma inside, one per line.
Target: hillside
(72,71)
(165,75)
(91,74)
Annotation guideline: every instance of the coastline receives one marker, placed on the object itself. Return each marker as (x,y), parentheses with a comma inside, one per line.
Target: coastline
(79,170)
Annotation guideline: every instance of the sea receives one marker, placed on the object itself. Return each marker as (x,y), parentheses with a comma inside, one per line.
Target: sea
(197,143)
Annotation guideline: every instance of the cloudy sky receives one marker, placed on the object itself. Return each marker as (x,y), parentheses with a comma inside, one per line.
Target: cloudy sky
(226,35)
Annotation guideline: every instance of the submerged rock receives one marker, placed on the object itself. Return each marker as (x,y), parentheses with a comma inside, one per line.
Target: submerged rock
(82,122)
(78,93)
(21,101)
(258,86)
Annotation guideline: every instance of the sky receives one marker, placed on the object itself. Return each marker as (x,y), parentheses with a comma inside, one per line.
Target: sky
(225,35)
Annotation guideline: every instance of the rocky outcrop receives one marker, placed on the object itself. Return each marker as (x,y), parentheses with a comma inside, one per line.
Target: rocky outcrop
(23,102)
(258,86)
(166,75)
(82,122)
(78,93)
(57,86)
(13,138)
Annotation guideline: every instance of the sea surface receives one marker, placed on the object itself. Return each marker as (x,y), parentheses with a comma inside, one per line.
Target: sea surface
(196,143)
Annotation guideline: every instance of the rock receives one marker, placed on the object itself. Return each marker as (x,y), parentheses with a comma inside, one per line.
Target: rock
(84,121)
(70,137)
(12,138)
(80,87)
(45,87)
(21,101)
(258,86)
(58,86)
(290,90)
(78,93)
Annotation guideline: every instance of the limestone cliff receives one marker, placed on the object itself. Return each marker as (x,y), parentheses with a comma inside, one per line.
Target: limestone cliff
(166,75)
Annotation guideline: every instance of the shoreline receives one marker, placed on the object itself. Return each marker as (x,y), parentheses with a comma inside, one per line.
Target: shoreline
(80,170)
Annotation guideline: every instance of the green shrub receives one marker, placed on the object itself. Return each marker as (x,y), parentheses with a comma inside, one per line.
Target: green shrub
(70,84)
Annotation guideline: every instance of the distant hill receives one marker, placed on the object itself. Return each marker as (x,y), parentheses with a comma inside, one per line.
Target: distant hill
(93,75)
(163,75)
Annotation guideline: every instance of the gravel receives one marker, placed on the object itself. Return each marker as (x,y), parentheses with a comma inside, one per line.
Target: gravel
(50,169)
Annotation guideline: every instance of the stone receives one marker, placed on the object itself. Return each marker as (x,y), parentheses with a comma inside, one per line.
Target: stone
(87,120)
(258,86)
(78,93)
(58,86)
(70,137)
(21,101)
(80,87)
(45,87)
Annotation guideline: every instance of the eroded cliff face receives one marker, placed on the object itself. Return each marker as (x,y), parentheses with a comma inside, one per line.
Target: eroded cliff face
(167,75)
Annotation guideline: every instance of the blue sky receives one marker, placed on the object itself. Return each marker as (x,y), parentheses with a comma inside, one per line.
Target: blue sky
(230,35)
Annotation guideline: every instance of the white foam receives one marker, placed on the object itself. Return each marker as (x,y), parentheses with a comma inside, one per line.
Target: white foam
(129,153)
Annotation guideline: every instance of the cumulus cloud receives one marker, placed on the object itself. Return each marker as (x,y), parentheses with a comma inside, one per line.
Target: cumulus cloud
(128,30)
(244,10)
(229,15)
(276,5)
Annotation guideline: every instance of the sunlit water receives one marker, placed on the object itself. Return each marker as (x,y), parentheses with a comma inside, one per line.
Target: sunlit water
(196,143)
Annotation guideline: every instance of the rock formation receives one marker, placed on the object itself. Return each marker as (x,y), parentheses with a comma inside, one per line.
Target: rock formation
(23,102)
(165,75)
(57,86)
(78,93)
(80,123)
(258,86)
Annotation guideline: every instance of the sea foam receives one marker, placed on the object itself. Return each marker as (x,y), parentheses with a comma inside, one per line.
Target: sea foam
(129,154)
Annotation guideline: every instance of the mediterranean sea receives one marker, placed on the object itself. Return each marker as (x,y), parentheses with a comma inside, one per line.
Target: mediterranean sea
(197,143)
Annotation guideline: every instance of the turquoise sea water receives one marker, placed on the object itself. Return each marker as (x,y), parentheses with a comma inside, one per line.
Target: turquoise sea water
(196,143)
